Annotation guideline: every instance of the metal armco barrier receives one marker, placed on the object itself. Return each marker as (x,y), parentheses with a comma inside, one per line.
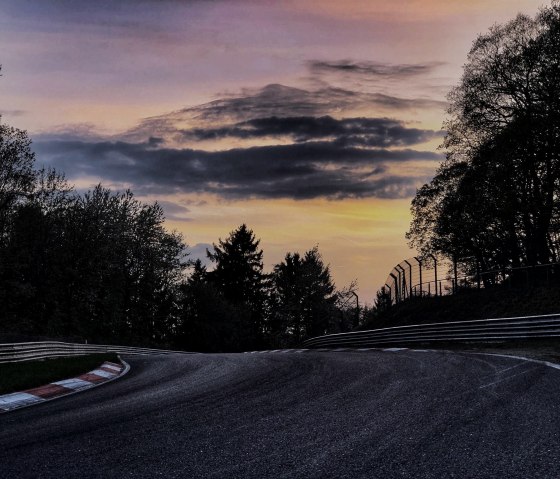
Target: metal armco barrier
(484,330)
(13,352)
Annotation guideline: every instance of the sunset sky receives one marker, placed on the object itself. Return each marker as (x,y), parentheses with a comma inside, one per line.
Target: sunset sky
(312,121)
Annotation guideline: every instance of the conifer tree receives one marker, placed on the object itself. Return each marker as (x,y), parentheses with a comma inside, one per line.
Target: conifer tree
(239,277)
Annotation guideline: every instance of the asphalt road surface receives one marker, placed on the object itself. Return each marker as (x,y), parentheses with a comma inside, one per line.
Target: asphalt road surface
(353,415)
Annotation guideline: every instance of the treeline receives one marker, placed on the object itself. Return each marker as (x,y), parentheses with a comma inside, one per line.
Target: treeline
(101,267)
(236,306)
(495,201)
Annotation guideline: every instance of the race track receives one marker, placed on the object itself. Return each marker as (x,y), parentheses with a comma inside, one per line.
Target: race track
(376,414)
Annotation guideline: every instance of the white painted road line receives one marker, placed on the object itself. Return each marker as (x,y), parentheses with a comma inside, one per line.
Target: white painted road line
(530,360)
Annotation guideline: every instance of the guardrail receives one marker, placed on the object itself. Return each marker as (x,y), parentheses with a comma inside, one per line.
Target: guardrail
(13,352)
(483,330)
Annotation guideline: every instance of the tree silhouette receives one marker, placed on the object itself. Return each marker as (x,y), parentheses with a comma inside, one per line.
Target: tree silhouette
(98,266)
(303,298)
(239,277)
(383,300)
(17,175)
(208,322)
(495,198)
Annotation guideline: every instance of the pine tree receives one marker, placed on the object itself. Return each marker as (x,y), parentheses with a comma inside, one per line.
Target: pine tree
(303,299)
(239,277)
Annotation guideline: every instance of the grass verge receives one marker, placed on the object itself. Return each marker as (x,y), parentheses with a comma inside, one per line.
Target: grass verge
(29,374)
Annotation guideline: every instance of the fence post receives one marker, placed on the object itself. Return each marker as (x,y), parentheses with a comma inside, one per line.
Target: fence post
(402,285)
(420,272)
(455,285)
(409,277)
(396,287)
(478,273)
(398,291)
(390,292)
(435,273)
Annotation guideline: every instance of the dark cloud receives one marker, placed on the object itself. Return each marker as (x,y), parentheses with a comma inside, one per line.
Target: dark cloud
(81,131)
(299,171)
(273,101)
(277,100)
(373,132)
(174,211)
(396,103)
(373,69)
(282,101)
(326,156)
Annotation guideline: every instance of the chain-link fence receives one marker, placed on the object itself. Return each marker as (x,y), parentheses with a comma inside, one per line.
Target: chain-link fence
(430,276)
(417,277)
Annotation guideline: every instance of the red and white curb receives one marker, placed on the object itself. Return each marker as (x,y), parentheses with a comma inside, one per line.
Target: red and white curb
(106,372)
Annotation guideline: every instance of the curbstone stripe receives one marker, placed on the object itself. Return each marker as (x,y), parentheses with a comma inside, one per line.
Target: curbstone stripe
(106,372)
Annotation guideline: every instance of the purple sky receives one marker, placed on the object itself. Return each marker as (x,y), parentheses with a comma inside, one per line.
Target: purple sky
(311,121)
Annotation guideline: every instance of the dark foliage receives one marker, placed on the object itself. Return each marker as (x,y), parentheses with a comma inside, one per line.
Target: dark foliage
(495,198)
(468,305)
(303,299)
(208,322)
(98,266)
(383,300)
(238,277)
